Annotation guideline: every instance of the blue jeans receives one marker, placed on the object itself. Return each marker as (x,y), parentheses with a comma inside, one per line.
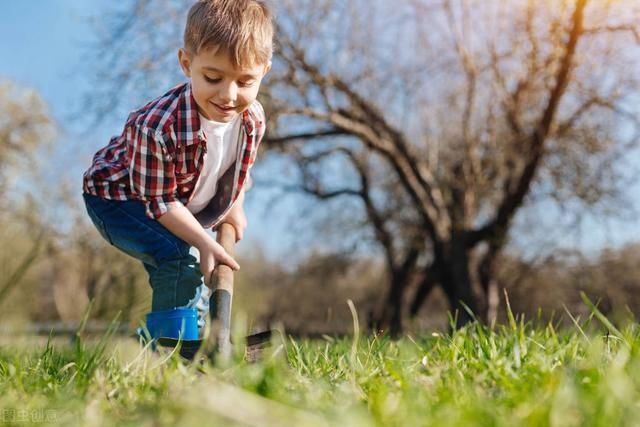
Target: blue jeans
(174,273)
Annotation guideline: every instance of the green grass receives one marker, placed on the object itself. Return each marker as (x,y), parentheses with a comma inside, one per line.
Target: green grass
(517,374)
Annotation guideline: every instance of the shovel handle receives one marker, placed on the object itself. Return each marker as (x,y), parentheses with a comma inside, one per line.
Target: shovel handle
(223,293)
(227,239)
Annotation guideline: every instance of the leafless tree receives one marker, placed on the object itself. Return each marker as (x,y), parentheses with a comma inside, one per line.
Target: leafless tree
(525,95)
(25,126)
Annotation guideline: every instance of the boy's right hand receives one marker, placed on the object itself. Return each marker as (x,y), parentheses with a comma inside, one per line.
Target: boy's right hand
(182,223)
(211,254)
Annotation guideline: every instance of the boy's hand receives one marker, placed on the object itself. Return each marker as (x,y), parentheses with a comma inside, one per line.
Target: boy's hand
(182,223)
(237,217)
(211,254)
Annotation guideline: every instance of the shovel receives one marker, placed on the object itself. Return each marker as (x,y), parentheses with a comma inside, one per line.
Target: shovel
(218,343)
(219,340)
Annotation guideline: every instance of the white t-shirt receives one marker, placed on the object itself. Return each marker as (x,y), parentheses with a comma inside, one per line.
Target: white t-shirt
(222,147)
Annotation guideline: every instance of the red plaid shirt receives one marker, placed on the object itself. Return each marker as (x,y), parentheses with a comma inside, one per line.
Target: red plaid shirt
(158,157)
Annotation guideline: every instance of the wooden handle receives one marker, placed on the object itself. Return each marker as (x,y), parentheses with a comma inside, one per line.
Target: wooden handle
(223,294)
(224,275)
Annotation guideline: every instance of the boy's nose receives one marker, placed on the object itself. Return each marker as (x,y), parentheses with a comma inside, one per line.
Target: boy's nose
(229,93)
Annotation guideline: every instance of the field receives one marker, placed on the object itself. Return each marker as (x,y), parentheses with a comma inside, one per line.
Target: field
(517,374)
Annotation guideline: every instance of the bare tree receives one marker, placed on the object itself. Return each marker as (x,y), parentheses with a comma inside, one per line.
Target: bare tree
(25,126)
(451,115)
(521,106)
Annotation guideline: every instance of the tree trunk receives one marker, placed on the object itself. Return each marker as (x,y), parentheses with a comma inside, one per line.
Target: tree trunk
(400,274)
(428,282)
(391,316)
(458,289)
(452,270)
(489,285)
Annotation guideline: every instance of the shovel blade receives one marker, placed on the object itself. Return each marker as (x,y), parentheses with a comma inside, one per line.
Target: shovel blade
(255,344)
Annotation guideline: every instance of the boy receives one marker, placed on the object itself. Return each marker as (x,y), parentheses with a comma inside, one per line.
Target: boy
(182,162)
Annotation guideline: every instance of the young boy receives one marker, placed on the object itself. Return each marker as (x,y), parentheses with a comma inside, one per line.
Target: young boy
(182,162)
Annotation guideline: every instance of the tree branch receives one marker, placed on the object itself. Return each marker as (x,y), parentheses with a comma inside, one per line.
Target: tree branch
(516,192)
(364,121)
(282,140)
(634,30)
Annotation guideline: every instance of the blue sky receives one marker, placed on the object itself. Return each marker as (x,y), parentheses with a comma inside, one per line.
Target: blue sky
(42,45)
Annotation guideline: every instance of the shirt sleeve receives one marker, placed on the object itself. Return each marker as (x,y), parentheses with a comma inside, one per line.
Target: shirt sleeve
(151,171)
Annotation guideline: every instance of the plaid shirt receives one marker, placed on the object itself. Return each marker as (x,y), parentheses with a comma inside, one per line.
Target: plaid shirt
(159,156)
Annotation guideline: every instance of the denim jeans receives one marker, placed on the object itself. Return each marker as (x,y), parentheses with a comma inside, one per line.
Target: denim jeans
(174,273)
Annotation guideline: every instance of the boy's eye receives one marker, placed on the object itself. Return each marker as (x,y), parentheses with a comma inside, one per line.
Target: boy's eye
(246,83)
(212,80)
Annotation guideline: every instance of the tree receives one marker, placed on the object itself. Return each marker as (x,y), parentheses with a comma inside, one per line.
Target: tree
(53,274)
(520,101)
(25,126)
(444,118)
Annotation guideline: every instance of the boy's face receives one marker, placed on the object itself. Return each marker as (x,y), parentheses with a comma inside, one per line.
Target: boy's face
(220,90)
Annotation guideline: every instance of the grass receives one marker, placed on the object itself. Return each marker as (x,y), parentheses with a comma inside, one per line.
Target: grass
(517,374)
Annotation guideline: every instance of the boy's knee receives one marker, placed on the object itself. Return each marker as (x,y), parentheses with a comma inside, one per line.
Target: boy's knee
(155,251)
(173,251)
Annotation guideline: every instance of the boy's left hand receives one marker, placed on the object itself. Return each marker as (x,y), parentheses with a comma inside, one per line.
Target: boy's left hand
(237,217)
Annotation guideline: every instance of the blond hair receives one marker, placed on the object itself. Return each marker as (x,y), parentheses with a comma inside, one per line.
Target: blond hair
(242,28)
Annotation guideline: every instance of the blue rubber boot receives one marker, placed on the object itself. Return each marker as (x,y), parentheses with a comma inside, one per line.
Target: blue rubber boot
(168,328)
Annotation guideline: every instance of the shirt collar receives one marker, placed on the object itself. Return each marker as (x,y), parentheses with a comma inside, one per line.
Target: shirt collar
(189,129)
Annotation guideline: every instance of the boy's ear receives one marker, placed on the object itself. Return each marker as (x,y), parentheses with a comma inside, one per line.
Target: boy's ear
(267,68)
(184,58)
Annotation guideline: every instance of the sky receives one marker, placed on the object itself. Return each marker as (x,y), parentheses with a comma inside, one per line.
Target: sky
(41,48)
